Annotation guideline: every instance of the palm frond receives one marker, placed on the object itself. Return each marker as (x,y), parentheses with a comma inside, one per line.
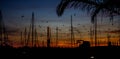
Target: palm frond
(82,4)
(62,6)
(96,11)
(93,7)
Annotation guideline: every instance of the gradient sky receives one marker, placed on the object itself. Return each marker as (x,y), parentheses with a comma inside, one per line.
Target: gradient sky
(45,10)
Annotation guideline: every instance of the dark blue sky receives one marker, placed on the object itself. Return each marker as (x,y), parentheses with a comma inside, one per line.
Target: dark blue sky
(45,10)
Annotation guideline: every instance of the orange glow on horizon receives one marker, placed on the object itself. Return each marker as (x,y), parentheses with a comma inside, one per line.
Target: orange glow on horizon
(63,42)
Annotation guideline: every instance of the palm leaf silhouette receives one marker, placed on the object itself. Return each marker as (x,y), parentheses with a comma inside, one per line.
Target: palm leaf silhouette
(94,7)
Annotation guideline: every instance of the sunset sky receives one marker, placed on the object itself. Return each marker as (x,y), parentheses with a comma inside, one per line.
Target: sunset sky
(45,15)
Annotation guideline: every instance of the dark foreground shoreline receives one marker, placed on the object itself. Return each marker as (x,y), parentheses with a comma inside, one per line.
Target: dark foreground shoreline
(61,53)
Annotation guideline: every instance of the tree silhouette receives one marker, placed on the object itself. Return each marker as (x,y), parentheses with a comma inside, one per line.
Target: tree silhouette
(94,7)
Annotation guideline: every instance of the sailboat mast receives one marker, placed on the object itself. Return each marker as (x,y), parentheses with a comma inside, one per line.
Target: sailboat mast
(56,36)
(72,33)
(32,28)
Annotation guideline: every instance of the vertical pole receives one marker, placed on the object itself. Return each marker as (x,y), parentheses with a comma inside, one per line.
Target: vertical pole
(56,36)
(91,34)
(25,38)
(48,37)
(72,33)
(28,39)
(71,30)
(32,28)
(5,41)
(119,33)
(108,36)
(95,31)
(1,30)
(21,39)
(36,40)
